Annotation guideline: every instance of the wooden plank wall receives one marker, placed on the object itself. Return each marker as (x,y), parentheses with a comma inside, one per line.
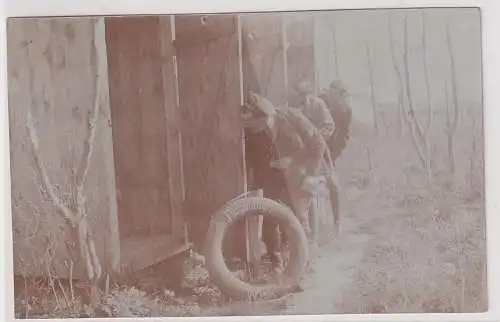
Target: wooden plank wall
(173,127)
(263,55)
(324,48)
(52,69)
(300,52)
(209,95)
(145,124)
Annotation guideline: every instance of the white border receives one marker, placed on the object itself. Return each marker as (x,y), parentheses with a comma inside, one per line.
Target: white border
(491,80)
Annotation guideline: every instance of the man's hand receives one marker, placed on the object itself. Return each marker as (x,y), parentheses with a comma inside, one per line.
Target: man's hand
(282,163)
(313,184)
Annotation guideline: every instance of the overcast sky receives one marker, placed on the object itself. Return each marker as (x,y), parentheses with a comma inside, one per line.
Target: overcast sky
(355,28)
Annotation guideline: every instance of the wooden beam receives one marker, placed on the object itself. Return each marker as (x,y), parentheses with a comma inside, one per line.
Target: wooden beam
(112,243)
(264,44)
(206,32)
(285,60)
(254,233)
(173,130)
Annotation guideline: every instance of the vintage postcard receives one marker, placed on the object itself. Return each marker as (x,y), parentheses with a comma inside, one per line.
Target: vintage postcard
(248,163)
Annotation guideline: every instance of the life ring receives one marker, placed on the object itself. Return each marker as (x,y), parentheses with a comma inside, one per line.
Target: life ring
(230,284)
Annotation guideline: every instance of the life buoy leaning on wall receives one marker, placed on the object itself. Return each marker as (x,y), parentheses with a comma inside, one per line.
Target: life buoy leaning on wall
(230,284)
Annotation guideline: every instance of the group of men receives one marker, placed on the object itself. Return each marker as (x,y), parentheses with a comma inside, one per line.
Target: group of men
(288,148)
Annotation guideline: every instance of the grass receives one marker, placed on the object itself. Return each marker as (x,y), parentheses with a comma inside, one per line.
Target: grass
(426,249)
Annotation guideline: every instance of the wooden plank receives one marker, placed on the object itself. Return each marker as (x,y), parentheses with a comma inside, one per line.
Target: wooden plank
(52,72)
(139,109)
(143,251)
(300,32)
(300,52)
(209,28)
(173,127)
(211,130)
(254,233)
(263,56)
(324,48)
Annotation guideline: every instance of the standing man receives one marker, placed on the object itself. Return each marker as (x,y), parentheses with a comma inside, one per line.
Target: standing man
(317,112)
(335,98)
(313,108)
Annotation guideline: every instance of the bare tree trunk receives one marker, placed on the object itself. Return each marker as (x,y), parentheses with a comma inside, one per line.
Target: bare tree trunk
(449,133)
(452,119)
(336,53)
(74,213)
(372,87)
(472,159)
(417,133)
(399,79)
(430,108)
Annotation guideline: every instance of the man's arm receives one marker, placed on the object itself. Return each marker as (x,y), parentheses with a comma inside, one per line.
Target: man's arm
(324,118)
(314,144)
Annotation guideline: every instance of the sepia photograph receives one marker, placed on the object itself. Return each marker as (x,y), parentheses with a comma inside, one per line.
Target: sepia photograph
(247,163)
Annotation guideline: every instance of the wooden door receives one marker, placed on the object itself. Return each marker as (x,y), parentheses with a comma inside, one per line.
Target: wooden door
(209,94)
(300,51)
(144,115)
(263,56)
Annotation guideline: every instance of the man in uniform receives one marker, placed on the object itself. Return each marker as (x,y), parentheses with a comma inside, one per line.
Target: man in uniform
(261,154)
(335,98)
(298,146)
(316,111)
(313,108)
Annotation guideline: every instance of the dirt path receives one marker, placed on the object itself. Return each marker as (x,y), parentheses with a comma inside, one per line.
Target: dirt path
(333,273)
(333,270)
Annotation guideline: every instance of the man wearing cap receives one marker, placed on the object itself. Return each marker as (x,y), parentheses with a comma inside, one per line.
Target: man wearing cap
(335,98)
(298,144)
(316,111)
(313,108)
(260,154)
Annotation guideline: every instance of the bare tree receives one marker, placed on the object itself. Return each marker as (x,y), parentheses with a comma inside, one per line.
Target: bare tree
(373,98)
(418,133)
(452,115)
(430,107)
(336,53)
(473,154)
(74,210)
(399,77)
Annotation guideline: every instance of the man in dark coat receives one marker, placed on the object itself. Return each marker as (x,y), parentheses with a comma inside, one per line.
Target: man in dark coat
(260,154)
(335,98)
(287,150)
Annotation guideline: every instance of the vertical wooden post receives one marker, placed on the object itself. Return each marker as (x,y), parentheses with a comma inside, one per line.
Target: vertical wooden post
(112,255)
(253,233)
(253,225)
(173,130)
(285,51)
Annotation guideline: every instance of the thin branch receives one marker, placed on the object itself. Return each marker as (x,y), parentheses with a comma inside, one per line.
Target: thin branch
(63,210)
(429,96)
(453,76)
(415,129)
(449,132)
(372,90)
(411,110)
(402,116)
(92,123)
(336,53)
(426,74)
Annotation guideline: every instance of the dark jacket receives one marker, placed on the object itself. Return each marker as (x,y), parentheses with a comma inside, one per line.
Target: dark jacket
(260,151)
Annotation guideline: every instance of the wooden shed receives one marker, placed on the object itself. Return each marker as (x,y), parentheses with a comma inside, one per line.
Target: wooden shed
(166,147)
(59,69)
